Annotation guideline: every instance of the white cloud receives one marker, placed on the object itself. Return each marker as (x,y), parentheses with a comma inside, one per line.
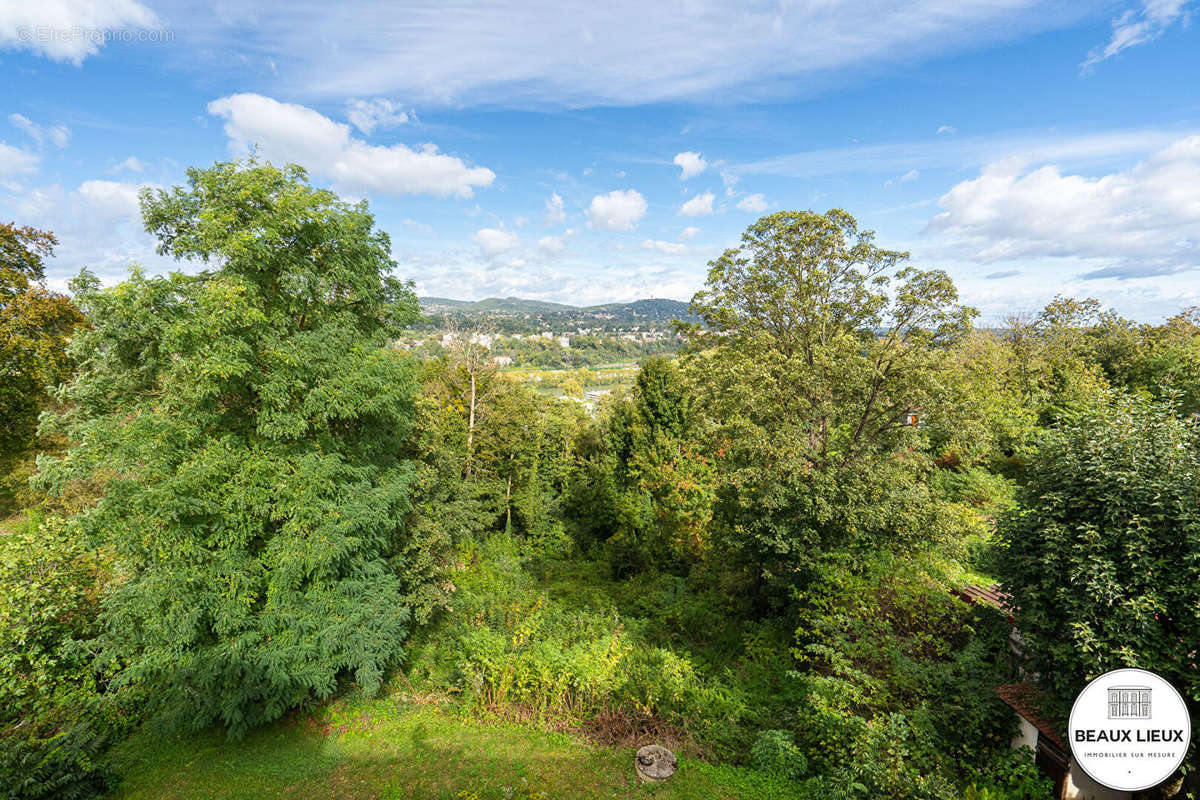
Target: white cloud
(690,164)
(281,130)
(1132,223)
(670,248)
(754,203)
(419,227)
(1138,26)
(112,199)
(554,210)
(690,232)
(133,164)
(58,135)
(624,52)
(730,180)
(628,275)
(98,224)
(907,177)
(616,211)
(367,115)
(964,151)
(699,206)
(16,163)
(68,30)
(295,133)
(550,246)
(494,241)
(948,129)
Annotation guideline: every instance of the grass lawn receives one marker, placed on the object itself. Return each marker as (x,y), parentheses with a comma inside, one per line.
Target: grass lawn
(376,748)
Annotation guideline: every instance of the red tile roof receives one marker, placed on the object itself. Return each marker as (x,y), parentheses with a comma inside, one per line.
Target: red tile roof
(1025,699)
(992,595)
(989,595)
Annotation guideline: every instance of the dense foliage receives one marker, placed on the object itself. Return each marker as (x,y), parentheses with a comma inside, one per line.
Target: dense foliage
(245,432)
(751,554)
(809,368)
(52,740)
(646,491)
(35,325)
(1103,557)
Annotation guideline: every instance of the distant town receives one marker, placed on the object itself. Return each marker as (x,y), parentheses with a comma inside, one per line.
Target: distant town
(533,334)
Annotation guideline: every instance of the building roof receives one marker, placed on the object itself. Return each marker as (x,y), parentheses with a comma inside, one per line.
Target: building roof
(990,595)
(1025,699)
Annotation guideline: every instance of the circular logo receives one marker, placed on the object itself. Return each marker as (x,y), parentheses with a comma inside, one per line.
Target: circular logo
(1129,730)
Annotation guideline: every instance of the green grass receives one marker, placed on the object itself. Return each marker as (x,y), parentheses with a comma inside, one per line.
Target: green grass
(381,748)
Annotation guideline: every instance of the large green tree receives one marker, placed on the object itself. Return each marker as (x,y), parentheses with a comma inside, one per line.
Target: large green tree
(818,343)
(244,427)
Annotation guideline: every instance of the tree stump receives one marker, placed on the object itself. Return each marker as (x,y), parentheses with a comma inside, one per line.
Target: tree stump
(654,763)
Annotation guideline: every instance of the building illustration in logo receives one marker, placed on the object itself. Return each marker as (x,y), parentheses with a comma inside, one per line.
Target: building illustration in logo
(1129,702)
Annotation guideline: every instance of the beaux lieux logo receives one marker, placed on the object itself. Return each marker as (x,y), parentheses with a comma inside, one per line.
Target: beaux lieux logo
(1129,730)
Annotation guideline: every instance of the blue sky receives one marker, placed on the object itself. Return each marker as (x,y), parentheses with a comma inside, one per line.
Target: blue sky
(590,152)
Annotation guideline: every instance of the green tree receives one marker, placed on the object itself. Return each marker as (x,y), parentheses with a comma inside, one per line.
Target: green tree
(528,450)
(1103,557)
(655,483)
(1057,357)
(1163,359)
(978,413)
(245,427)
(35,326)
(818,344)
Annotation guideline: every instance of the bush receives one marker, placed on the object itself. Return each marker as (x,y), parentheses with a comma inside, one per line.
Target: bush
(1010,775)
(45,762)
(512,648)
(899,688)
(989,493)
(775,752)
(51,743)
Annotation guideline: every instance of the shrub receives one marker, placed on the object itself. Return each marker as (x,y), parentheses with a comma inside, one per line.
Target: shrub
(986,491)
(52,745)
(775,752)
(1010,775)
(898,692)
(42,761)
(510,647)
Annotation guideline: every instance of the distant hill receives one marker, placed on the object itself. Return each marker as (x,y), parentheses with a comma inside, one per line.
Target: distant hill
(516,313)
(441,303)
(656,307)
(517,305)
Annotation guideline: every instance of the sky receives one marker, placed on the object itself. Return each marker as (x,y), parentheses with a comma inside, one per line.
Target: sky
(586,152)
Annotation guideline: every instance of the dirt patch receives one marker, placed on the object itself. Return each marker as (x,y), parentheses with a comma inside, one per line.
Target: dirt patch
(624,729)
(608,728)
